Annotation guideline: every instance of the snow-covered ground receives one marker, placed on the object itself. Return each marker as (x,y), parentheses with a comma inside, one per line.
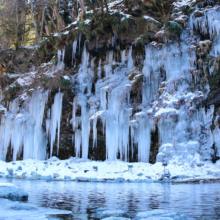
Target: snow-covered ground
(76,169)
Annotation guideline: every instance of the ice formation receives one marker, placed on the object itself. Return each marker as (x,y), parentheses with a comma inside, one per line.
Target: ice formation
(209,24)
(53,124)
(60,58)
(179,128)
(74,50)
(21,128)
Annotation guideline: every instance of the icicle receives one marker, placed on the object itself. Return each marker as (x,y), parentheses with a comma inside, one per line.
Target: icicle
(132,141)
(56,113)
(85,123)
(99,72)
(85,75)
(94,132)
(216,137)
(60,58)
(110,61)
(74,50)
(33,132)
(130,60)
(78,139)
(144,140)
(123,56)
(113,41)
(80,36)
(5,134)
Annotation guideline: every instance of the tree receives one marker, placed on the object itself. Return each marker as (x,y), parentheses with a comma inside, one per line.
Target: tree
(12,22)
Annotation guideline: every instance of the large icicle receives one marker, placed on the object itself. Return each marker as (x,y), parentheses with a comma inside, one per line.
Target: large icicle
(74,50)
(113,91)
(85,124)
(60,58)
(84,78)
(38,139)
(56,113)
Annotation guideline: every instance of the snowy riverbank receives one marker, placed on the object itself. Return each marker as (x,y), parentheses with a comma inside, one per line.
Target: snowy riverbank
(75,169)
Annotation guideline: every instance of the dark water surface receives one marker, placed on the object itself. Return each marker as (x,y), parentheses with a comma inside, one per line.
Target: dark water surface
(201,201)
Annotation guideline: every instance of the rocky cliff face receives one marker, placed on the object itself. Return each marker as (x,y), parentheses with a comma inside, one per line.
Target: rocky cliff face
(129,87)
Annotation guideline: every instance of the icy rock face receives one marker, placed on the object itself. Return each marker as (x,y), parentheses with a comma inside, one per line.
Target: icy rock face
(170,94)
(169,100)
(9,191)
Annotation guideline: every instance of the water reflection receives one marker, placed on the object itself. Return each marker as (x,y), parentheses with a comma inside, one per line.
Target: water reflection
(201,201)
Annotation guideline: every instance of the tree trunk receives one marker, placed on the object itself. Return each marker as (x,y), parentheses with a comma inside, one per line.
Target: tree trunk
(82,5)
(60,22)
(52,22)
(35,23)
(42,23)
(106,5)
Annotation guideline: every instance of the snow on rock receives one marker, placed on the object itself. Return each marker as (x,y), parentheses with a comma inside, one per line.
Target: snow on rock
(10,191)
(87,21)
(25,79)
(66,78)
(182,3)
(150,18)
(163,111)
(74,23)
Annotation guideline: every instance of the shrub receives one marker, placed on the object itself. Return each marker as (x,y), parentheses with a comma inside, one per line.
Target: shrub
(174,27)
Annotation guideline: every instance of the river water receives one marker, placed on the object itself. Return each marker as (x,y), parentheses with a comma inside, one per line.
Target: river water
(201,201)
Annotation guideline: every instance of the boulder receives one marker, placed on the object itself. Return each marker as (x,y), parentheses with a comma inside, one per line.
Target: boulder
(10,171)
(55,175)
(35,175)
(82,179)
(67,177)
(119,180)
(19,168)
(10,191)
